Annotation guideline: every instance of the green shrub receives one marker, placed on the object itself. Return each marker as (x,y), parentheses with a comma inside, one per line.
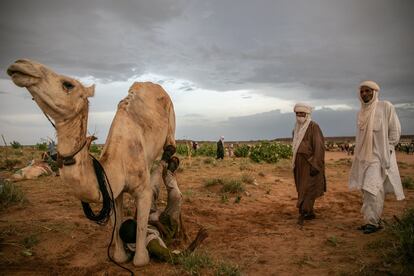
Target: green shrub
(232,186)
(94,148)
(9,164)
(242,151)
(408,182)
(193,263)
(403,230)
(213,181)
(225,269)
(207,149)
(270,152)
(247,178)
(15,145)
(10,194)
(41,146)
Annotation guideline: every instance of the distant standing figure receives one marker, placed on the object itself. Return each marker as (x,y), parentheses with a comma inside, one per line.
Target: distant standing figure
(374,169)
(220,148)
(308,161)
(195,146)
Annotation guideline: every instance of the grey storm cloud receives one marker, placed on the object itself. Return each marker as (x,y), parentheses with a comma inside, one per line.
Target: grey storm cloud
(324,47)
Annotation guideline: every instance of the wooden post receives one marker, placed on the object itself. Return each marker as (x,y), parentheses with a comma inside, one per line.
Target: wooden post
(5,144)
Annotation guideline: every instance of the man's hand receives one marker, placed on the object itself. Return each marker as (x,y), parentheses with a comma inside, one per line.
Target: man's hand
(201,236)
(313,171)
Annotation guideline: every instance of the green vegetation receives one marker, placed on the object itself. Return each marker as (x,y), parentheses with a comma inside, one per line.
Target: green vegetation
(205,149)
(200,263)
(95,149)
(9,164)
(242,151)
(41,146)
(403,230)
(408,182)
(16,145)
(10,194)
(270,152)
(247,178)
(232,186)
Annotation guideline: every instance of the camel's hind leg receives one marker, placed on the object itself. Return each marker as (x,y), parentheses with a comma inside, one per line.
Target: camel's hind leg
(143,196)
(120,255)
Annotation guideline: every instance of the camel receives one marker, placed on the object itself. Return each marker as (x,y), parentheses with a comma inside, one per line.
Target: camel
(143,126)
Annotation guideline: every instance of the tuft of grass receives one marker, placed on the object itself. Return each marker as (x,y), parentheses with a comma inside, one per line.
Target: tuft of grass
(224,198)
(333,241)
(247,178)
(188,195)
(213,182)
(16,145)
(30,241)
(232,186)
(9,164)
(226,269)
(403,230)
(408,182)
(194,263)
(208,161)
(10,194)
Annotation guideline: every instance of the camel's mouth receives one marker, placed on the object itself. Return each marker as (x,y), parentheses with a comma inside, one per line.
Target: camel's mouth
(23,73)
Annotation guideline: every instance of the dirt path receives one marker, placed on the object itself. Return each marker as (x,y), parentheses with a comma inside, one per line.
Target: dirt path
(259,234)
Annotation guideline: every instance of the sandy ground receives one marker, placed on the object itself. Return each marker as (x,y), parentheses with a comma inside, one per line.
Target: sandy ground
(259,234)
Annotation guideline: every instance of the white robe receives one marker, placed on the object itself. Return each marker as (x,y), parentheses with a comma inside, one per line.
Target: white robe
(386,134)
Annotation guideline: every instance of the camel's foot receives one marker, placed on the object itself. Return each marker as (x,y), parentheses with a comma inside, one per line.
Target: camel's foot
(120,255)
(141,258)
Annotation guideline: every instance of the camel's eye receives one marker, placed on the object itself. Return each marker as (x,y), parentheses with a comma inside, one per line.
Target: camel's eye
(67,86)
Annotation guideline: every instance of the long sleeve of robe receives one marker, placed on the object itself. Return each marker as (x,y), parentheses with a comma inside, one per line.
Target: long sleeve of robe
(310,154)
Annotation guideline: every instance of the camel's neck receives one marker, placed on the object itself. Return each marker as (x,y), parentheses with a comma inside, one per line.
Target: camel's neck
(81,176)
(71,134)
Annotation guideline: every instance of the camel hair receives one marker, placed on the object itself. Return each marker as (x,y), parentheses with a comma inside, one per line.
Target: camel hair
(143,126)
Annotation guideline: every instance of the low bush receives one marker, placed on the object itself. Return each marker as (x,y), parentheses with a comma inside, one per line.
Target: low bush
(403,230)
(16,145)
(270,152)
(408,182)
(10,194)
(41,146)
(242,151)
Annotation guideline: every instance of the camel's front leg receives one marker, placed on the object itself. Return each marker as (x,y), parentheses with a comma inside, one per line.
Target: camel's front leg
(120,255)
(143,204)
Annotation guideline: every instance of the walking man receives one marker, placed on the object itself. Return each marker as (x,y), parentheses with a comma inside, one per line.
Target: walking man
(374,169)
(308,161)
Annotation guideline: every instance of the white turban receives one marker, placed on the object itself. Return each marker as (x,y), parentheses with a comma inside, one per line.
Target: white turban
(371,84)
(302,107)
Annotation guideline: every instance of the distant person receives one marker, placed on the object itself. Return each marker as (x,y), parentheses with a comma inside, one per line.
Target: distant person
(195,146)
(220,148)
(374,169)
(308,161)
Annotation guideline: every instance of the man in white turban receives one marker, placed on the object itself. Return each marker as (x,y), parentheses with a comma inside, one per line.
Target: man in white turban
(308,161)
(374,168)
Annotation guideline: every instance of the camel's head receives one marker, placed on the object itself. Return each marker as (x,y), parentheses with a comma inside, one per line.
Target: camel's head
(59,96)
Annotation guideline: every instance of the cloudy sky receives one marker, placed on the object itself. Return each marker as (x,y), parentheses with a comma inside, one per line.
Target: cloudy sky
(232,67)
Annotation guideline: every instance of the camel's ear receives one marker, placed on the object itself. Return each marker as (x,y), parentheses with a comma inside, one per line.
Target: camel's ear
(90,91)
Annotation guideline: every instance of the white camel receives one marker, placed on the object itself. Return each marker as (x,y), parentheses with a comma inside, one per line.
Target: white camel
(143,126)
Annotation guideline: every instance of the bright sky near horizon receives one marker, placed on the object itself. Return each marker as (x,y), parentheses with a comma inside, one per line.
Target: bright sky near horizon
(232,68)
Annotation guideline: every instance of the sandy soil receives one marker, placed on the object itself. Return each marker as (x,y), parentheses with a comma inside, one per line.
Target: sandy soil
(259,234)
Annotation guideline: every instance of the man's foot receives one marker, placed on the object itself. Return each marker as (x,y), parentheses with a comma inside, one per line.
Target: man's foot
(363,227)
(309,216)
(370,228)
